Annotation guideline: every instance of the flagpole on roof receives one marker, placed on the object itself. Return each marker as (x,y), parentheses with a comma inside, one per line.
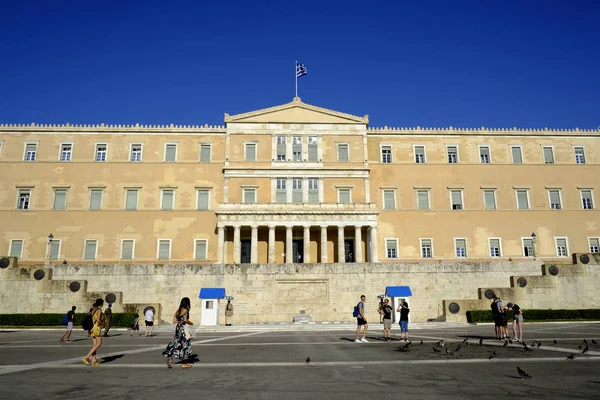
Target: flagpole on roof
(296,73)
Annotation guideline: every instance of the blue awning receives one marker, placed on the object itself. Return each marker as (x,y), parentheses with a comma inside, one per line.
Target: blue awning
(212,293)
(398,291)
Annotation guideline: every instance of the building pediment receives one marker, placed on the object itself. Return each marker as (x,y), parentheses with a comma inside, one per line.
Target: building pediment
(296,112)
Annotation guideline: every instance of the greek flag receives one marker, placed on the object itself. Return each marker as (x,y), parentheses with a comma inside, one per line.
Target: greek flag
(300,70)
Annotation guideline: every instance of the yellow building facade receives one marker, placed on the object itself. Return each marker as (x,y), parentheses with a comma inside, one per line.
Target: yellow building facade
(295,184)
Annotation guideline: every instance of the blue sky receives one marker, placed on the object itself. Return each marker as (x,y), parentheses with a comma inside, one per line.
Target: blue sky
(405,63)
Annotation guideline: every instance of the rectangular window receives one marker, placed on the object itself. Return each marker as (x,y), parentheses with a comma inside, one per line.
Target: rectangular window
(90,247)
(280,190)
(164,249)
(249,195)
(457,201)
(167,199)
(297,190)
(391,248)
(297,148)
(594,245)
(344,196)
(489,198)
(23,199)
(419,154)
(66,150)
(136,152)
(55,249)
(16,249)
(30,151)
(452,154)
(423,199)
(127,248)
(343,154)
(561,247)
(386,154)
(461,248)
(170,152)
(313,190)
(579,155)
(426,248)
(60,199)
(281,148)
(313,148)
(96,199)
(586,200)
(555,203)
(517,154)
(548,154)
(495,250)
(205,150)
(528,248)
(202,202)
(250,151)
(131,199)
(522,200)
(101,152)
(389,200)
(200,249)
(484,155)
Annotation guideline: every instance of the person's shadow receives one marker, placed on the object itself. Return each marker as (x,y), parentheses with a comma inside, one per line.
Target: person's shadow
(108,359)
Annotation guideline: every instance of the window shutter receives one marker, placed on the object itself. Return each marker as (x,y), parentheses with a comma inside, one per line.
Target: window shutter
(423,198)
(281,148)
(495,244)
(163,250)
(60,197)
(167,200)
(16,248)
(517,156)
(200,249)
(313,195)
(522,199)
(170,153)
(127,250)
(205,153)
(54,248)
(30,147)
(313,154)
(131,201)
(202,200)
(548,155)
(90,250)
(594,244)
(344,196)
(250,152)
(490,200)
(388,200)
(554,198)
(456,197)
(249,196)
(343,152)
(96,200)
(461,243)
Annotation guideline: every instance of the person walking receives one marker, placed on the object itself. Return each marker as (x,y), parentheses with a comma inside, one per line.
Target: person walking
(149,320)
(228,313)
(107,318)
(497,314)
(361,321)
(96,334)
(66,337)
(136,324)
(517,322)
(386,309)
(404,311)
(379,311)
(181,345)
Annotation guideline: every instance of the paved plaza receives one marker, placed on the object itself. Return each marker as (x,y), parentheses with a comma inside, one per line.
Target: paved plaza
(271,364)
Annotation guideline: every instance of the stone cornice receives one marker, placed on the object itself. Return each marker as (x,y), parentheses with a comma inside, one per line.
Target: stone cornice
(424,131)
(111,129)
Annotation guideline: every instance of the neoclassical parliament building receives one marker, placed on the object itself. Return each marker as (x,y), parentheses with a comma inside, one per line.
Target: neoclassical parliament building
(295,183)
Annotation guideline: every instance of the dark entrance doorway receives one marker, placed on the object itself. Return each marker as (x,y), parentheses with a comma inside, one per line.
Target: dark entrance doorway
(349,250)
(298,250)
(245,251)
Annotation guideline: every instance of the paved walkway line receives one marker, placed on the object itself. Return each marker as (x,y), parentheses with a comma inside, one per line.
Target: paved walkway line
(77,360)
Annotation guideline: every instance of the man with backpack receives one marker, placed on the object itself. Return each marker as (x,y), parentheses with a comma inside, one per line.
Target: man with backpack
(361,320)
(68,320)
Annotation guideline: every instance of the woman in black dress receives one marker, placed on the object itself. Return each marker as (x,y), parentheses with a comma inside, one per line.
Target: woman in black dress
(181,345)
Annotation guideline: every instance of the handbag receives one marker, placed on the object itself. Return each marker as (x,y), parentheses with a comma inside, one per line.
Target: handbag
(189,333)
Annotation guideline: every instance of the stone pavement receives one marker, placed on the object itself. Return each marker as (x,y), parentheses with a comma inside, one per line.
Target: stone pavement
(271,364)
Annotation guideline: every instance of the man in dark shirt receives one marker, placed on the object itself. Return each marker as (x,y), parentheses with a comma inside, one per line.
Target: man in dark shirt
(517,322)
(386,312)
(497,317)
(66,337)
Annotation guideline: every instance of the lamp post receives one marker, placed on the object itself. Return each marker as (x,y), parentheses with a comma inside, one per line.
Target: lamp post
(533,241)
(49,248)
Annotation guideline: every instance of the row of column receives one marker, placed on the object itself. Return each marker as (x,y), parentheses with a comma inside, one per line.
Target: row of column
(288,244)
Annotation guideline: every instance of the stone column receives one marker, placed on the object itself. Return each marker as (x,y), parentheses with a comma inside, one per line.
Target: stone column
(324,254)
(358,253)
(341,252)
(220,244)
(236,245)
(271,245)
(288,245)
(373,240)
(306,256)
(254,245)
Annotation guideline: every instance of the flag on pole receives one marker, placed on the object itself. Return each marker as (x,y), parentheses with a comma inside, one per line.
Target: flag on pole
(300,70)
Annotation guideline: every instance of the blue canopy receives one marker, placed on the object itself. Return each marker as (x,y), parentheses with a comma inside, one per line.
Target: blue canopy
(212,293)
(398,291)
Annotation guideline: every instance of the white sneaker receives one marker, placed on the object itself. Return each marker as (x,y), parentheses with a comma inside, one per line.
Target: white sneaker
(357,341)
(364,340)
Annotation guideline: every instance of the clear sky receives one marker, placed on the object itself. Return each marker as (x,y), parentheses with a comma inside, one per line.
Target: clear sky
(405,63)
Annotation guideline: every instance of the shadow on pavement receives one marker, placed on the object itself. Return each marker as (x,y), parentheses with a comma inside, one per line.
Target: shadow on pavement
(111,358)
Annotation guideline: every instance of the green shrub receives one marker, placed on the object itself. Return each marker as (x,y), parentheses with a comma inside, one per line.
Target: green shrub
(538,315)
(118,319)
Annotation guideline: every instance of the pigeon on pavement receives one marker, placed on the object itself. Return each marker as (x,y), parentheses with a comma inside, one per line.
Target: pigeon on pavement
(307,359)
(571,357)
(457,348)
(585,349)
(523,374)
(492,355)
(555,342)
(436,350)
(481,342)
(594,342)
(505,343)
(585,341)
(539,344)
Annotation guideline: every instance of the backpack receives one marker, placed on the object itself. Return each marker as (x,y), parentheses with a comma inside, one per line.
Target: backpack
(87,323)
(65,319)
(355,314)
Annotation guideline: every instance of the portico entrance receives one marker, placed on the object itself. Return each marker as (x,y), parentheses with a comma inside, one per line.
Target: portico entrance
(245,251)
(298,250)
